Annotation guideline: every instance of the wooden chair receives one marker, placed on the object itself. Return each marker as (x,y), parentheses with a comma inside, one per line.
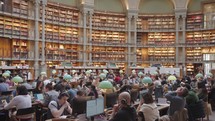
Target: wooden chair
(26,114)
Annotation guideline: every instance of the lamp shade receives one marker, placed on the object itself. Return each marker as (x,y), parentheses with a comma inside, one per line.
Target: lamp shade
(8,72)
(171,78)
(147,80)
(140,74)
(120,71)
(133,72)
(209,75)
(88,72)
(102,76)
(105,71)
(17,79)
(54,71)
(154,73)
(5,74)
(73,71)
(199,75)
(43,73)
(105,85)
(67,77)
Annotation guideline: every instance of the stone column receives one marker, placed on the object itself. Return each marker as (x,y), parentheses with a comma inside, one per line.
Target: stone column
(184,40)
(84,36)
(135,38)
(177,39)
(43,63)
(36,38)
(129,40)
(90,37)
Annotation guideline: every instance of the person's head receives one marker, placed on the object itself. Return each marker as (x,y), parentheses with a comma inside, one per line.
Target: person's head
(80,93)
(49,87)
(21,90)
(64,82)
(182,91)
(124,99)
(63,97)
(40,85)
(2,80)
(147,98)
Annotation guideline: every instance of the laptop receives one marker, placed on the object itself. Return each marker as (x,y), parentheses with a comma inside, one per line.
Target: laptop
(39,97)
(162,101)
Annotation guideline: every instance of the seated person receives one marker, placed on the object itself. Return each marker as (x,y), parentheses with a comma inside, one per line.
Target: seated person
(79,103)
(191,96)
(39,88)
(177,99)
(148,107)
(50,94)
(123,111)
(3,86)
(22,100)
(59,107)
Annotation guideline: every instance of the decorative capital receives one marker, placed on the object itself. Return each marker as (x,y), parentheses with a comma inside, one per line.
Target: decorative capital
(36,2)
(44,2)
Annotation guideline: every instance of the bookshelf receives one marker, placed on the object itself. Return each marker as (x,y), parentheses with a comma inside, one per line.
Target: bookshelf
(20,49)
(20,7)
(110,37)
(14,26)
(58,51)
(201,37)
(56,13)
(160,38)
(113,21)
(194,54)
(60,33)
(195,21)
(161,54)
(108,53)
(156,23)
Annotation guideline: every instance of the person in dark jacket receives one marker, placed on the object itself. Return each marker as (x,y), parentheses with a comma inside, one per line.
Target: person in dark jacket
(123,111)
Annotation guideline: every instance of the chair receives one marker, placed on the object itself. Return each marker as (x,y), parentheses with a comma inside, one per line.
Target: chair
(25,114)
(196,111)
(134,95)
(111,99)
(180,115)
(140,116)
(79,106)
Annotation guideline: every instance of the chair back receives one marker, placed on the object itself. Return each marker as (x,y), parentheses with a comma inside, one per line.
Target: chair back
(140,116)
(180,115)
(111,99)
(25,113)
(196,110)
(134,95)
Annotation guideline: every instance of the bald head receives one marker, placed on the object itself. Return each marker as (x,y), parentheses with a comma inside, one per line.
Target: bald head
(126,96)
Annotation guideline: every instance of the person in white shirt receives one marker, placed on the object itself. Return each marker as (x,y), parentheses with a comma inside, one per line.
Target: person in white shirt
(60,107)
(148,107)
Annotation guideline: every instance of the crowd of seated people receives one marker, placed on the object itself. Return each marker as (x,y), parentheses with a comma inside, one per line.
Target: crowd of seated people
(68,97)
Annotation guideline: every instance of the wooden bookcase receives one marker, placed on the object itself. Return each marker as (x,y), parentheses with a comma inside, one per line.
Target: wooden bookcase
(60,33)
(108,53)
(156,23)
(201,37)
(20,7)
(20,49)
(161,54)
(195,21)
(194,54)
(56,13)
(114,21)
(159,38)
(108,37)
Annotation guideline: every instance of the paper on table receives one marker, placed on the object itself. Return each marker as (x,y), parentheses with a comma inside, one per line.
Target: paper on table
(63,116)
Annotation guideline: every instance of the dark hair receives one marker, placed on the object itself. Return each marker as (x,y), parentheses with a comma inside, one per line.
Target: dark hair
(63,94)
(38,83)
(2,80)
(147,97)
(22,90)
(93,88)
(185,92)
(187,86)
(80,93)
(49,86)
